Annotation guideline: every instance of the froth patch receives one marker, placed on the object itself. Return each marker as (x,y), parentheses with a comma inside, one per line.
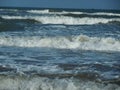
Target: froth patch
(81,42)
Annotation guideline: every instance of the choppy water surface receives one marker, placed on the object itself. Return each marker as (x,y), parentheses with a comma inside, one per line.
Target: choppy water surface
(59,50)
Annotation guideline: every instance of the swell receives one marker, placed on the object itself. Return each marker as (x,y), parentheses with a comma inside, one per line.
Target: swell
(81,42)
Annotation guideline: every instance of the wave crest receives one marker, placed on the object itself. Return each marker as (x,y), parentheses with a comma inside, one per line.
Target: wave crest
(82,42)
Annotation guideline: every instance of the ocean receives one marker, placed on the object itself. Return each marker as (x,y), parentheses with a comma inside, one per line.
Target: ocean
(48,49)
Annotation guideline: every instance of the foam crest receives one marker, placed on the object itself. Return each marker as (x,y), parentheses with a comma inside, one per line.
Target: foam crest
(64,20)
(38,83)
(76,42)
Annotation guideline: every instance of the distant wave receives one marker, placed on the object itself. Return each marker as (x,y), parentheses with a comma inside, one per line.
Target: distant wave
(77,14)
(104,13)
(90,16)
(17,18)
(15,24)
(39,11)
(82,42)
(64,19)
(47,11)
(51,12)
(14,10)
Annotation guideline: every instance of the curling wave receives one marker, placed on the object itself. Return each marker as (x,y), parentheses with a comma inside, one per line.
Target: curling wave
(64,20)
(76,42)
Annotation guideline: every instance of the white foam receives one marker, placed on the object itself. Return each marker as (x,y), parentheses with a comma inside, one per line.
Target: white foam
(76,42)
(38,83)
(63,20)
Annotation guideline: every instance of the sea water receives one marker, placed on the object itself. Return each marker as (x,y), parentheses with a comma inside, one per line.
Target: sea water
(59,50)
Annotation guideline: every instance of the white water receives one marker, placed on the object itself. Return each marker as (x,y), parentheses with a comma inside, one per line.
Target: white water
(37,83)
(76,42)
(63,20)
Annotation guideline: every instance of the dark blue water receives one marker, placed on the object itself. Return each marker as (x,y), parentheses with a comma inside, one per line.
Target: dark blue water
(65,50)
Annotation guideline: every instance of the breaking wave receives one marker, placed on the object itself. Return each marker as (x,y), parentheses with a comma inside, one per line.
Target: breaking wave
(76,42)
(64,20)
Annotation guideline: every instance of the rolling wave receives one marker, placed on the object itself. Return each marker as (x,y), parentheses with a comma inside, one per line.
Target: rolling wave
(63,20)
(81,42)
